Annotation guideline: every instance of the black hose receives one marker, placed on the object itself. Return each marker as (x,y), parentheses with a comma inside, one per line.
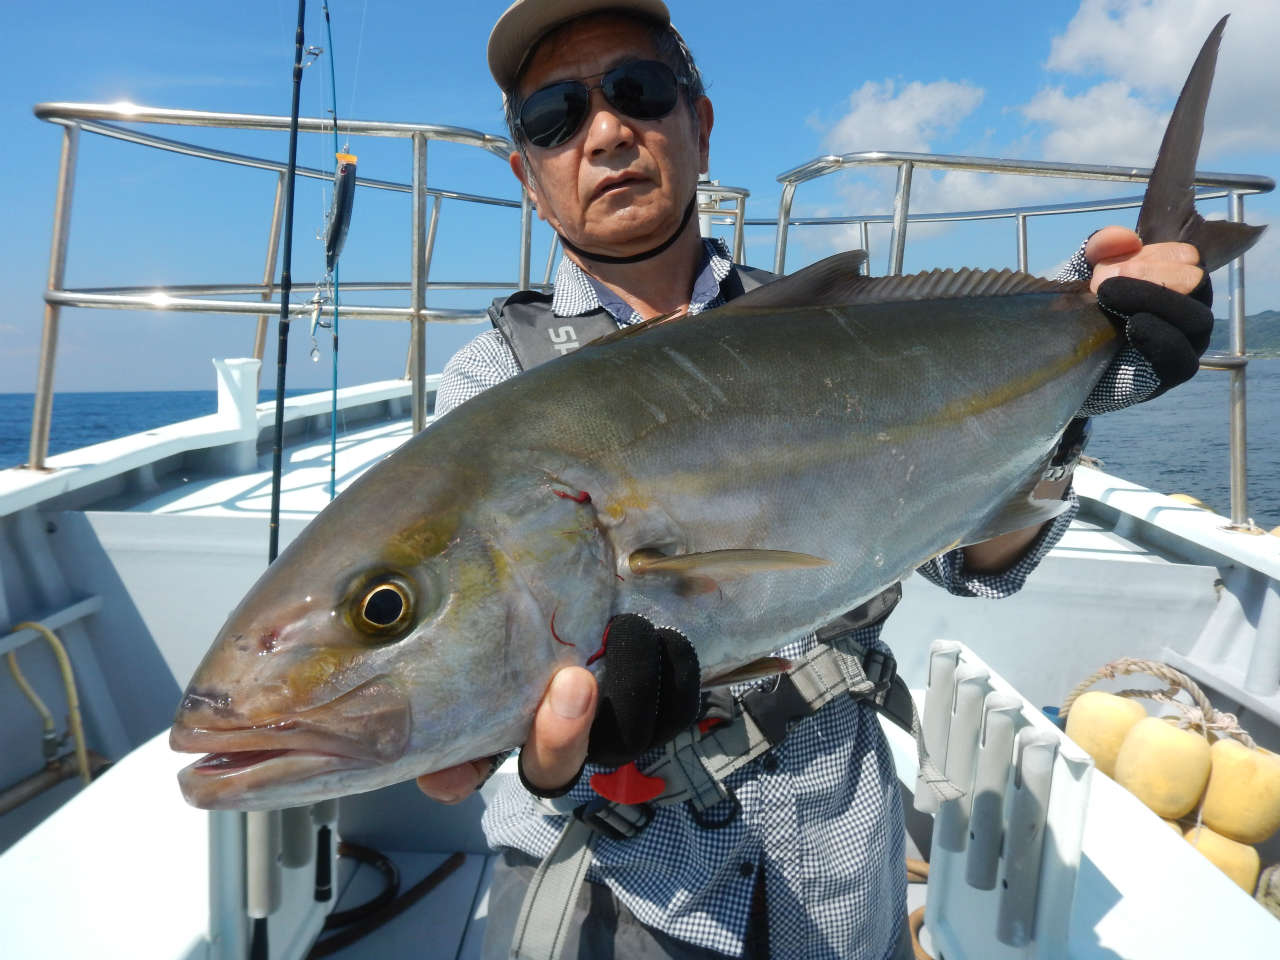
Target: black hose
(362,928)
(390,886)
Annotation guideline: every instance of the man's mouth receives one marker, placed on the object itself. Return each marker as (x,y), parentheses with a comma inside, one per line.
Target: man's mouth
(621,182)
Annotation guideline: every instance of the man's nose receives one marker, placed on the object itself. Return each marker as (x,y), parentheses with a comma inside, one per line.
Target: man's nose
(608,129)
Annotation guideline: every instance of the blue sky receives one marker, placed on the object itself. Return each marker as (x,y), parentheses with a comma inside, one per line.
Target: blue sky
(1087,81)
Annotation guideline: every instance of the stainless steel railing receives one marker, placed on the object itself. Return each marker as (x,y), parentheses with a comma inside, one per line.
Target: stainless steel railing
(1234,187)
(727,203)
(92,118)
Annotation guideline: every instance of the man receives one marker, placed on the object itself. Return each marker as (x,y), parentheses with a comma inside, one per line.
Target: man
(612,129)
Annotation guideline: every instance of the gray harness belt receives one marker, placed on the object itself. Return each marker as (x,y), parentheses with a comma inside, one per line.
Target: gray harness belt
(695,765)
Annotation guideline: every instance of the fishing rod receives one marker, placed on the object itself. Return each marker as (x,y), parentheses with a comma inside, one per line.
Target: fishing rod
(286,284)
(259,848)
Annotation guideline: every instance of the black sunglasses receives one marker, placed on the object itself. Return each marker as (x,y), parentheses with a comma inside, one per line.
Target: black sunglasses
(642,89)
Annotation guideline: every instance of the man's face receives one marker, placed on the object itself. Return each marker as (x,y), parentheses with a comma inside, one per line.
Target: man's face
(620,185)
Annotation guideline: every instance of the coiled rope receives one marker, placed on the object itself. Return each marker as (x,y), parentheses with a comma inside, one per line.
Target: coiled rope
(1200,714)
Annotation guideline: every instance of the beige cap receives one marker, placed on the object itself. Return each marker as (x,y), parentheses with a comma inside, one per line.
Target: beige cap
(528,21)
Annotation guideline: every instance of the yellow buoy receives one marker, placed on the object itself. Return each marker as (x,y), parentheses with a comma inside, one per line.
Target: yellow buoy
(1238,861)
(1242,800)
(1190,501)
(1099,722)
(1174,825)
(1164,767)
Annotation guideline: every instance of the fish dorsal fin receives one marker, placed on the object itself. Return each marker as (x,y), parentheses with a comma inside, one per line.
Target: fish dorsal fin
(834,282)
(1168,208)
(636,328)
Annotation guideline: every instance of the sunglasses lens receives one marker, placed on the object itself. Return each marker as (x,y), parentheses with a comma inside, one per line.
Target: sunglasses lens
(553,114)
(645,89)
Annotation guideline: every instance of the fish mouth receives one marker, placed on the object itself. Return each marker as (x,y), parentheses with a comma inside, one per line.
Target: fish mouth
(240,764)
(246,779)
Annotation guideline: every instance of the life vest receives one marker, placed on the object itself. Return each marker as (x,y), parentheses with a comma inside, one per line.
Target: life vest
(536,335)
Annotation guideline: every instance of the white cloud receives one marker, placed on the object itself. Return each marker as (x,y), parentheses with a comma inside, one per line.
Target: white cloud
(1132,56)
(1149,45)
(882,117)
(1105,124)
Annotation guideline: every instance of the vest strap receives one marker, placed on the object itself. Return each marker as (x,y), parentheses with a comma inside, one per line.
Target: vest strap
(543,925)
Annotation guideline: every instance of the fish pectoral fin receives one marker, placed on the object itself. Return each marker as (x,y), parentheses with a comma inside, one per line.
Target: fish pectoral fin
(755,670)
(1019,513)
(720,565)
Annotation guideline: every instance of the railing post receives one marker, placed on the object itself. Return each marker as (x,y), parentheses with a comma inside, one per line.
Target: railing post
(1238,432)
(42,409)
(418,295)
(1021,221)
(901,204)
(784,216)
(551,257)
(864,238)
(526,237)
(739,232)
(269,271)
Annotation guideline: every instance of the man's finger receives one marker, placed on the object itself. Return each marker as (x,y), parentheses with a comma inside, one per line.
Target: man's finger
(1178,277)
(557,745)
(454,784)
(1111,242)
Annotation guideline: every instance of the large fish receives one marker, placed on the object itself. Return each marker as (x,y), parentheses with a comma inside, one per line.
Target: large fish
(743,475)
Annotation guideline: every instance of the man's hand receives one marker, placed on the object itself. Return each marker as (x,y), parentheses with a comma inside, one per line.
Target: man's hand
(1164,301)
(1118,252)
(651,691)
(554,752)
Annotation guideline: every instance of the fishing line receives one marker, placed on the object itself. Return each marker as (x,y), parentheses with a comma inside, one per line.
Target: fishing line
(355,74)
(337,223)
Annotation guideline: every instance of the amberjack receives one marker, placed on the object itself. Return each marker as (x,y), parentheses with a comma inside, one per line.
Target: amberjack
(743,475)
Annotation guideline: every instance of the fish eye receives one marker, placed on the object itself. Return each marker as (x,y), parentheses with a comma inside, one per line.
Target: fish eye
(385,608)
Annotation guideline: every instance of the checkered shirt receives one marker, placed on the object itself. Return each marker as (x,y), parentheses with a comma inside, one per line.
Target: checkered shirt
(821,813)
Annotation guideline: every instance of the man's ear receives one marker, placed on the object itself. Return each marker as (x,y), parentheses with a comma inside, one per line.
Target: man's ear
(525,176)
(705,115)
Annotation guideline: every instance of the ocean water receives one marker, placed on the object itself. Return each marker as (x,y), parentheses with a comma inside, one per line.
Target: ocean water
(1177,443)
(80,419)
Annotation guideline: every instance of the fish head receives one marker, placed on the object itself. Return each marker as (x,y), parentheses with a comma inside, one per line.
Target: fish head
(413,625)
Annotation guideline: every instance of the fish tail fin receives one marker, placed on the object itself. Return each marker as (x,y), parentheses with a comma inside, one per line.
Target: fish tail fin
(1168,209)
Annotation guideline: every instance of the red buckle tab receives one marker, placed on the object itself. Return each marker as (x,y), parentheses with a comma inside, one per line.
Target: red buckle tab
(627,785)
(707,724)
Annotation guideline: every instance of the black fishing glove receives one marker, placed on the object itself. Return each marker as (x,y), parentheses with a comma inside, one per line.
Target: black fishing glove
(650,690)
(1171,330)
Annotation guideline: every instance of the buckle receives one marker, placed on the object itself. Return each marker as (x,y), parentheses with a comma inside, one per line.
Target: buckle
(701,819)
(606,817)
(880,669)
(775,710)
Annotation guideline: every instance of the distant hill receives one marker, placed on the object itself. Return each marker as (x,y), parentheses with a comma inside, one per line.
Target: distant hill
(1261,335)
